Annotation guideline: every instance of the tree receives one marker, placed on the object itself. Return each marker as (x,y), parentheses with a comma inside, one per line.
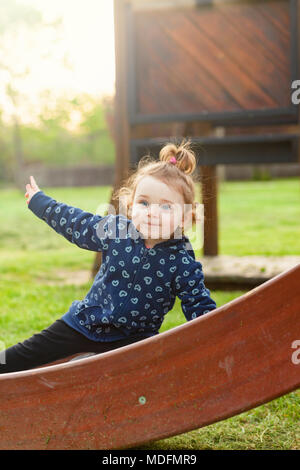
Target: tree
(22,28)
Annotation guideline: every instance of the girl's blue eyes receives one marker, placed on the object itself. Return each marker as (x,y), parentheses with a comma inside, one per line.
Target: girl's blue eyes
(165,206)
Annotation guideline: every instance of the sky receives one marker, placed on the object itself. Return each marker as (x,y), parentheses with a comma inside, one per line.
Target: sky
(87,39)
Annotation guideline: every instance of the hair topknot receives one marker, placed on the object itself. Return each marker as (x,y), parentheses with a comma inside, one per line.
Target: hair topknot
(185,157)
(176,174)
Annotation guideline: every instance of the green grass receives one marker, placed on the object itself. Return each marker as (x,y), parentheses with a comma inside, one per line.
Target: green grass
(255,218)
(260,217)
(273,426)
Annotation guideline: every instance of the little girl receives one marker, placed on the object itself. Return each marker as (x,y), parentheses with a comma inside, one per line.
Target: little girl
(146,262)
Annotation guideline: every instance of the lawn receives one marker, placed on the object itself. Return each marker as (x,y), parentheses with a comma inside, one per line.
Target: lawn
(255,218)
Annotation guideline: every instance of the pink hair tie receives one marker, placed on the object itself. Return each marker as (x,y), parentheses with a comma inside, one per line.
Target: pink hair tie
(173,160)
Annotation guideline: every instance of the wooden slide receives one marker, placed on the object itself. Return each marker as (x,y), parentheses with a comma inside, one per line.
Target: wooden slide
(230,360)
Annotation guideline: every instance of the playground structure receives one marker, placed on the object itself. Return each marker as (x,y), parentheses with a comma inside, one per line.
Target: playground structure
(170,56)
(217,72)
(230,360)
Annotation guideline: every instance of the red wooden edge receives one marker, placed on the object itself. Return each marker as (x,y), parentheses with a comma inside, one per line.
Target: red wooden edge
(228,361)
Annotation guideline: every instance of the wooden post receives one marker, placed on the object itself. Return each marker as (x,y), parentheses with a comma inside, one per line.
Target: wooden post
(209,192)
(121,122)
(209,187)
(122,128)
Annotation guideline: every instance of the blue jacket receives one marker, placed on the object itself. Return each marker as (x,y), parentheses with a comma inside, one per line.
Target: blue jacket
(135,286)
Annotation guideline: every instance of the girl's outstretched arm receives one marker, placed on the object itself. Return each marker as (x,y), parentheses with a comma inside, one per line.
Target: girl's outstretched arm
(31,189)
(86,230)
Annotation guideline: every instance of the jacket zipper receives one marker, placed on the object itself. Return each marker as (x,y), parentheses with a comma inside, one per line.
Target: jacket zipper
(133,282)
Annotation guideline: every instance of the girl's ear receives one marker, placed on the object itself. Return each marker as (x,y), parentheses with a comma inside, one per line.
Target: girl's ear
(124,206)
(187,219)
(129,209)
(193,215)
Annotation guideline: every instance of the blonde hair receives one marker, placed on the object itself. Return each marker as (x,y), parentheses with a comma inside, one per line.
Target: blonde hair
(178,175)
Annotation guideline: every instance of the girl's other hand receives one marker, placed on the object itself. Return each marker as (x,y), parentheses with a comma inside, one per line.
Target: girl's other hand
(31,189)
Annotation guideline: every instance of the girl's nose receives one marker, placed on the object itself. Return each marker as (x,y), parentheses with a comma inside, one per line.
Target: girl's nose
(154,210)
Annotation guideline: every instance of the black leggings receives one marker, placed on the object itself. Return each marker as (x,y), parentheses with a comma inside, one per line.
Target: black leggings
(56,342)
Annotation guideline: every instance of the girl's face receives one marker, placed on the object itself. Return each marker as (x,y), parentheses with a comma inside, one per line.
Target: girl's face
(157,209)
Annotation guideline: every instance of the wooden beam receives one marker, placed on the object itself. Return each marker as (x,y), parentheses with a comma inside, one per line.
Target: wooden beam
(122,129)
(209,186)
(209,192)
(121,123)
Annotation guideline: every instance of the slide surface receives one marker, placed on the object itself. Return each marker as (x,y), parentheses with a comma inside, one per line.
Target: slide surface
(230,360)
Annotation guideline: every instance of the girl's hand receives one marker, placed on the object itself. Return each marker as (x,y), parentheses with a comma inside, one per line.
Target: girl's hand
(31,189)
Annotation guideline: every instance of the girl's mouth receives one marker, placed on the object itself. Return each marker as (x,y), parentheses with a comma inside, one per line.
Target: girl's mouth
(152,225)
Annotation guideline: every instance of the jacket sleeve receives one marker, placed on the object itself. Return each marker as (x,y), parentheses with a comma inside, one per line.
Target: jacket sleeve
(84,229)
(190,289)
